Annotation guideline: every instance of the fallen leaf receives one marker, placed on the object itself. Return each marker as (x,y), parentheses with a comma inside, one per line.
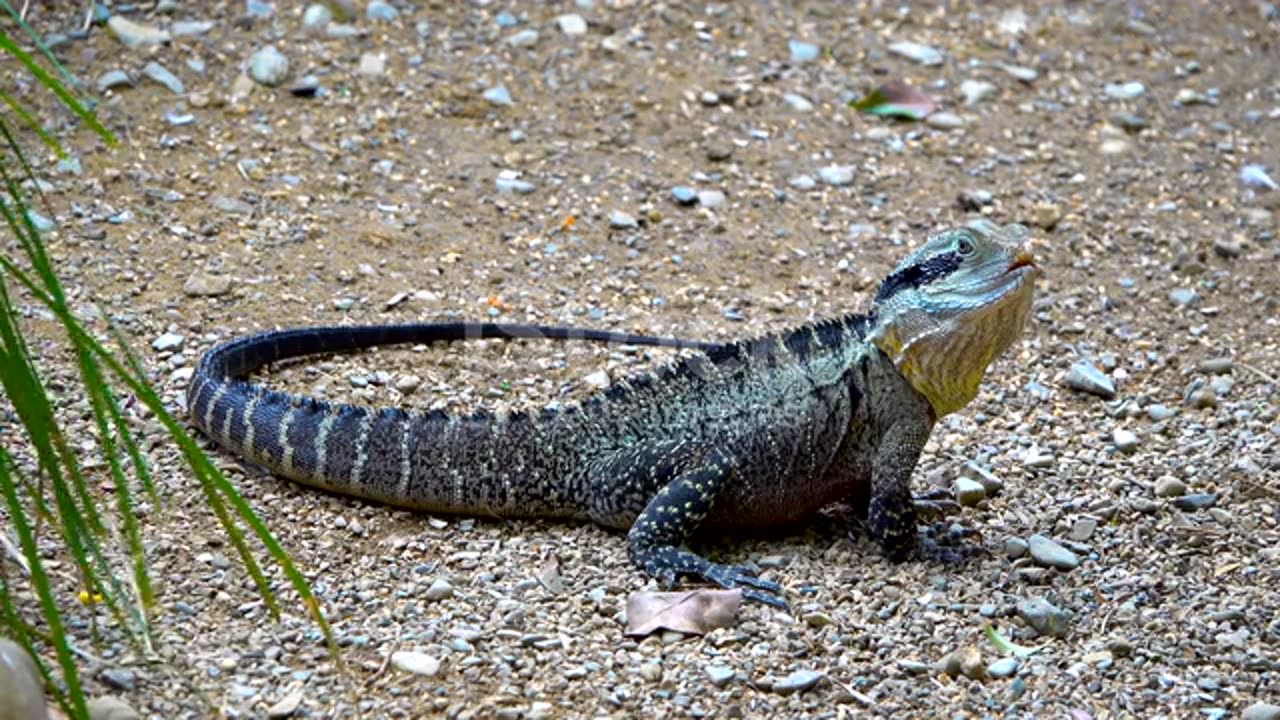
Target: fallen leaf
(693,612)
(896,99)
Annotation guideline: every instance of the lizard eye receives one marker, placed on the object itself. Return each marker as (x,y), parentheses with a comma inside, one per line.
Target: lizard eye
(964,246)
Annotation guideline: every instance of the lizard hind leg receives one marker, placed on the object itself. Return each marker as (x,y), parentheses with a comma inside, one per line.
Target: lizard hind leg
(673,514)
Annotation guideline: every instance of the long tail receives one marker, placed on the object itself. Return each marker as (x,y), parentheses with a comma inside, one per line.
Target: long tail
(480,464)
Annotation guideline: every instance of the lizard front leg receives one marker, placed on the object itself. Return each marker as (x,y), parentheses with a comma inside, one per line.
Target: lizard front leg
(892,512)
(687,485)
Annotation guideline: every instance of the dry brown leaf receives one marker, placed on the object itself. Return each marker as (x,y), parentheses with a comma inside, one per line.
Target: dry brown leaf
(694,612)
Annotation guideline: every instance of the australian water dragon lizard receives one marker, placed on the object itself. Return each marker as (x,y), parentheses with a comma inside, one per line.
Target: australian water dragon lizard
(742,435)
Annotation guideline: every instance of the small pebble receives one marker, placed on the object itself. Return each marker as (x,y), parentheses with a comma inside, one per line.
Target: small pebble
(944,121)
(1050,554)
(799,103)
(415,662)
(803,52)
(1195,501)
(268,66)
(1168,486)
(1087,378)
(710,198)
(524,38)
(1216,366)
(317,16)
(1015,547)
(572,24)
(1183,296)
(969,492)
(134,34)
(1044,617)
(837,175)
(21,684)
(1004,667)
(380,11)
(1124,440)
(965,661)
(598,380)
(109,707)
(922,54)
(798,681)
(440,589)
(619,220)
(167,342)
(113,79)
(1261,711)
(684,195)
(498,96)
(1082,529)
(720,675)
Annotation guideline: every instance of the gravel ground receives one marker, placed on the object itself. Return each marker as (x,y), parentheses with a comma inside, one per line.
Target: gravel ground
(695,171)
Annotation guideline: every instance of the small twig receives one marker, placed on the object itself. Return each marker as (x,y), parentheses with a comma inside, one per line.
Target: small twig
(1259,372)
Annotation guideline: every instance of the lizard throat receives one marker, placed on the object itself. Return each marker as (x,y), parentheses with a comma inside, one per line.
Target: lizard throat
(944,360)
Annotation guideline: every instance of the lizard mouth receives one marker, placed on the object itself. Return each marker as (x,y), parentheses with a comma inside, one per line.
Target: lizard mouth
(1023,259)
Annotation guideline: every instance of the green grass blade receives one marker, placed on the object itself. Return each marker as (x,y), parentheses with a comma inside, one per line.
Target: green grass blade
(205,472)
(32,123)
(56,88)
(40,583)
(38,42)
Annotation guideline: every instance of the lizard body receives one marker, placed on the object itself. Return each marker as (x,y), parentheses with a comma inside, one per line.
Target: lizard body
(741,435)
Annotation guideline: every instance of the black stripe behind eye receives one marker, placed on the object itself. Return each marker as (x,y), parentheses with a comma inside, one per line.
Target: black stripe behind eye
(913,276)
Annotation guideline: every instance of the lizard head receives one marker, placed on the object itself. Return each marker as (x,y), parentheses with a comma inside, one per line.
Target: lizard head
(952,306)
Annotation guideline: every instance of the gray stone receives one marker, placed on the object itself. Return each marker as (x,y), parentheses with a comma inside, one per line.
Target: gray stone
(1050,554)
(380,11)
(440,589)
(1195,501)
(134,35)
(1082,529)
(21,685)
(498,95)
(1020,73)
(203,284)
(1044,617)
(975,91)
(189,28)
(799,103)
(803,52)
(417,663)
(372,64)
(1159,412)
(1261,711)
(1086,377)
(109,707)
(1168,486)
(1127,121)
(1216,366)
(268,66)
(837,175)
(1004,667)
(1124,440)
(944,121)
(720,675)
(798,681)
(524,38)
(1015,547)
(508,182)
(1125,91)
(1183,296)
(923,54)
(119,678)
(572,24)
(113,79)
(684,195)
(619,220)
(803,182)
(156,72)
(167,342)
(317,16)
(710,198)
(969,492)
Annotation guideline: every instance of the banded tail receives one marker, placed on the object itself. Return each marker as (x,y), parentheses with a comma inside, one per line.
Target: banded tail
(509,464)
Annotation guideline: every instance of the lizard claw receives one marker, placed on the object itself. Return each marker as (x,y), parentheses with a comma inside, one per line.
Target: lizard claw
(935,504)
(944,542)
(754,588)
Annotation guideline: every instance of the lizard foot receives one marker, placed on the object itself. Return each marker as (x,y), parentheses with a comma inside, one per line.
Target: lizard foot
(935,504)
(753,588)
(944,542)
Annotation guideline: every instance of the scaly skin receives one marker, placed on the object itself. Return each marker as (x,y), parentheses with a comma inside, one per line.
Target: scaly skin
(744,435)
